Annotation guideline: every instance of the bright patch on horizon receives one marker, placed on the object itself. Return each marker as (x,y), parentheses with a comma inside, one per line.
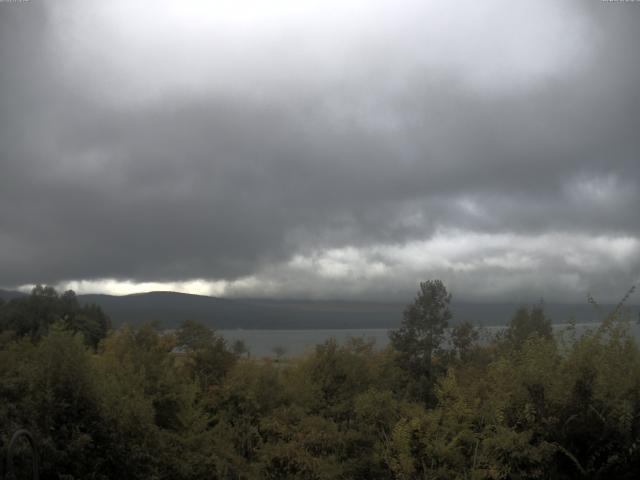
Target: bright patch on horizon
(476,265)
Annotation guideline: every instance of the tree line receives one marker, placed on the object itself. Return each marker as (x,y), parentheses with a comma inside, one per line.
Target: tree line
(437,403)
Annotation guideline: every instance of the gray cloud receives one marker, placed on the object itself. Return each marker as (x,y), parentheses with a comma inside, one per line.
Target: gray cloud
(253,148)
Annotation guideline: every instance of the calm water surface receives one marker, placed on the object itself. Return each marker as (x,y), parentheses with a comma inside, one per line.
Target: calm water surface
(261,343)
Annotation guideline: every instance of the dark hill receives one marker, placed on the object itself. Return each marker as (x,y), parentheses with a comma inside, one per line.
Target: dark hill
(9,295)
(170,308)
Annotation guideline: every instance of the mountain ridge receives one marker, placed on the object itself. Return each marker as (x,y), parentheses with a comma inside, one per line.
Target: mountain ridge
(168,309)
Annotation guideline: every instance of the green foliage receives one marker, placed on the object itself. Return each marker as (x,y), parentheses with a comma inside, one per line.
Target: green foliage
(57,391)
(421,334)
(525,323)
(464,337)
(155,405)
(194,336)
(34,315)
(208,358)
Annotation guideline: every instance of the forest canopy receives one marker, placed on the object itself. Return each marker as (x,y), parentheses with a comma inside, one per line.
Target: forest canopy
(441,401)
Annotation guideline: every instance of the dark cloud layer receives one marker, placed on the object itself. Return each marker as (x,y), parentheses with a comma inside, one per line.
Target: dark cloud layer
(264,172)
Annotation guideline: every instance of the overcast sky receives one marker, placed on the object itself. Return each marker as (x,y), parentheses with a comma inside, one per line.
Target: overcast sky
(321,148)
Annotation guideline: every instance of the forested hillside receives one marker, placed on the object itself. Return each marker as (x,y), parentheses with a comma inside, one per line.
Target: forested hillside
(133,403)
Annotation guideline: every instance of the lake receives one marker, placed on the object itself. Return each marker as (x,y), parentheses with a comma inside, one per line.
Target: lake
(261,343)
